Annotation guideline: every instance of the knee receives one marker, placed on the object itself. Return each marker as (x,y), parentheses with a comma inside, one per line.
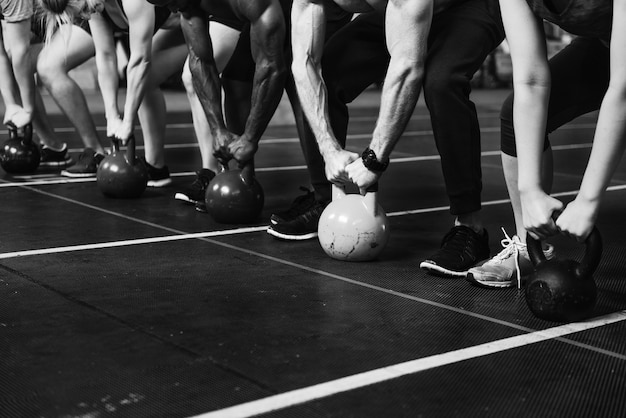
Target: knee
(49,70)
(439,83)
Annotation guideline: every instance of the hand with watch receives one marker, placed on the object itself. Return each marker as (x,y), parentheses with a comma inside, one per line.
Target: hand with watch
(365,171)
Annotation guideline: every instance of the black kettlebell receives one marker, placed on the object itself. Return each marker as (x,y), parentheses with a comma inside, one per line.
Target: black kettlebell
(563,290)
(234,196)
(122,175)
(20,155)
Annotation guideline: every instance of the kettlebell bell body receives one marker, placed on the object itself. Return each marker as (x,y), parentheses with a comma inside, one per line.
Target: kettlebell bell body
(353,227)
(234,196)
(122,175)
(20,155)
(563,290)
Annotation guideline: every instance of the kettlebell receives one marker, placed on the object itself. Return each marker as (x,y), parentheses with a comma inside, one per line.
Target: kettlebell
(122,175)
(563,290)
(20,154)
(234,196)
(353,227)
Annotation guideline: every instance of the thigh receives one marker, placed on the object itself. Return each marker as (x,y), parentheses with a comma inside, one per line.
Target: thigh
(69,47)
(356,55)
(580,78)
(462,37)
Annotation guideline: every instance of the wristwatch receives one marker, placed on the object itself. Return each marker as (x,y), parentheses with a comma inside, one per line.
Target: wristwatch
(371,162)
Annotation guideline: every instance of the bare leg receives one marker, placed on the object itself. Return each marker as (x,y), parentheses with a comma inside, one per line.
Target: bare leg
(168,56)
(509,166)
(62,54)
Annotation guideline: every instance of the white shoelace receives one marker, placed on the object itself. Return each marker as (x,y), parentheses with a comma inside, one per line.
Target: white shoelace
(512,247)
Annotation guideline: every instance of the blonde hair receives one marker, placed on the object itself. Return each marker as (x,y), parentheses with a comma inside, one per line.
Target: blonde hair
(52,14)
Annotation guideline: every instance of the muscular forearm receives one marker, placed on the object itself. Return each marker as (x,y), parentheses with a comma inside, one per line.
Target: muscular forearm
(314,101)
(401,90)
(269,82)
(137,75)
(208,89)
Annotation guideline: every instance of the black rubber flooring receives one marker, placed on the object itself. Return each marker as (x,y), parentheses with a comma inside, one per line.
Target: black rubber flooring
(147,308)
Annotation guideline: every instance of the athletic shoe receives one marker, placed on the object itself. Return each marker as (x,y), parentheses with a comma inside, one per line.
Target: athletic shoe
(158,177)
(194,192)
(461,249)
(509,266)
(300,221)
(54,158)
(300,205)
(86,166)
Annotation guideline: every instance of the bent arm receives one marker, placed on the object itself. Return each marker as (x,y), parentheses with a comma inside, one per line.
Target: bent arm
(407,25)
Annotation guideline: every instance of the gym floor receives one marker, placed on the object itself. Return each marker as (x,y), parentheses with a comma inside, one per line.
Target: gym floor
(147,308)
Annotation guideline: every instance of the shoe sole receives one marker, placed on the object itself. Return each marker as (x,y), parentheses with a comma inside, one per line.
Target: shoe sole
(441,271)
(56,163)
(184,198)
(77,175)
(280,235)
(487,284)
(159,183)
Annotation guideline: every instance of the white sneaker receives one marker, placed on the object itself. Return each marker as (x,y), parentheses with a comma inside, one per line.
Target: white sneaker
(511,263)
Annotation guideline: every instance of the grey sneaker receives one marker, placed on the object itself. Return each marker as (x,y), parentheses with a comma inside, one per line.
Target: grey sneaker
(508,267)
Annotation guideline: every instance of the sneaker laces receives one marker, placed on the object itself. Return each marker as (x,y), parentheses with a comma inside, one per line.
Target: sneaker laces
(512,247)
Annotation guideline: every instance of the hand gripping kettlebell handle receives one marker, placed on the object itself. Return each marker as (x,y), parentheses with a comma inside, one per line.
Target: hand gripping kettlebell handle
(28,132)
(370,199)
(591,258)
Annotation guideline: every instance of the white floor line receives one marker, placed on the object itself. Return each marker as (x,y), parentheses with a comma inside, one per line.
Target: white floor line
(51,179)
(126,243)
(356,381)
(180,237)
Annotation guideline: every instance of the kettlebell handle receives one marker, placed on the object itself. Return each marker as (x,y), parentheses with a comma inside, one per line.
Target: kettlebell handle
(28,132)
(370,199)
(591,258)
(130,148)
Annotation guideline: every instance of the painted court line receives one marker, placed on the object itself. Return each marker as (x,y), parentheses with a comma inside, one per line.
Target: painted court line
(125,243)
(53,179)
(356,381)
(182,236)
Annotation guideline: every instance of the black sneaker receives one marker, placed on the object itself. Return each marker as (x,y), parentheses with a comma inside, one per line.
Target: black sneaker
(158,177)
(86,166)
(301,226)
(194,193)
(54,158)
(461,249)
(300,205)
